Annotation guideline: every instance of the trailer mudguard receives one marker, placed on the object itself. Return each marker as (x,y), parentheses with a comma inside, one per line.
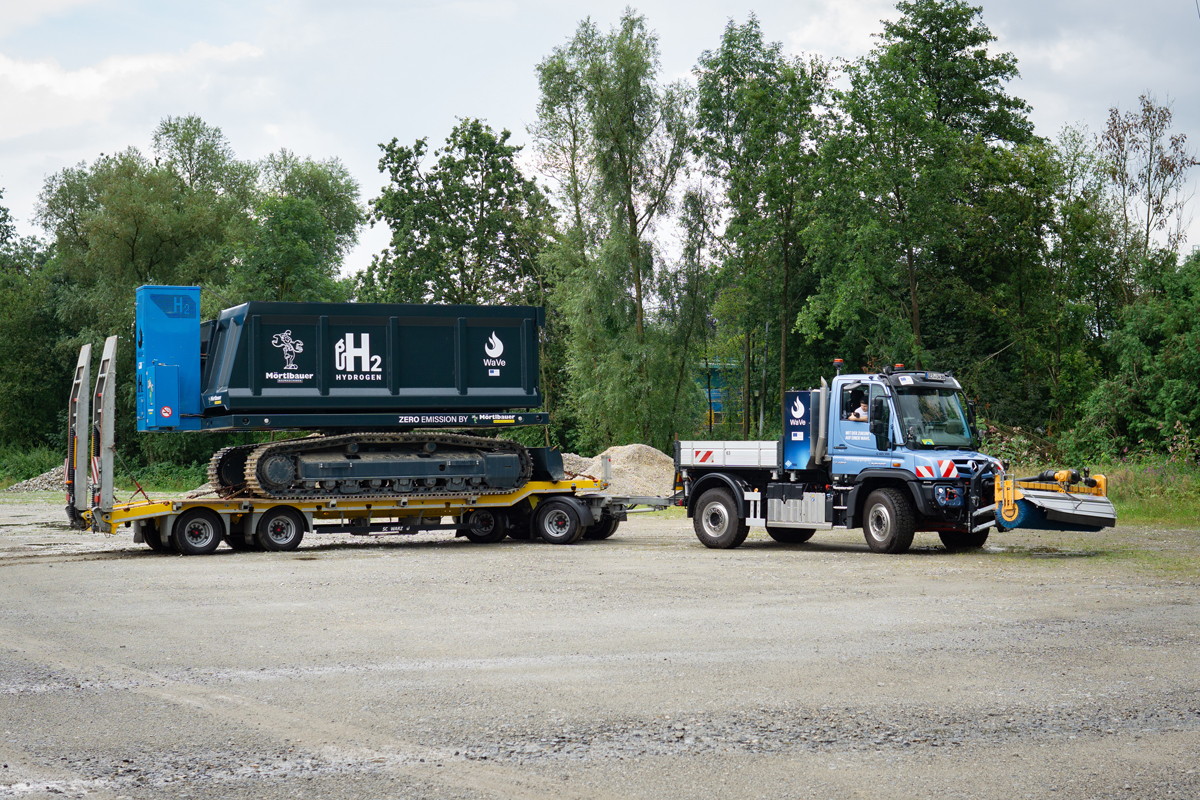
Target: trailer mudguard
(714,480)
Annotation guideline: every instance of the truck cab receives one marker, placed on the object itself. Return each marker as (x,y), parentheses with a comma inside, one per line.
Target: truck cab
(893,452)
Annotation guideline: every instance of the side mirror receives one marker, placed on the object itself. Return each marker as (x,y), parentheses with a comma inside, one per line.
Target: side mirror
(971,412)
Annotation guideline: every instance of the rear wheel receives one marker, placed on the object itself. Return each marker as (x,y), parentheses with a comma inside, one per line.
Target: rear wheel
(557,522)
(888,521)
(198,532)
(487,526)
(280,529)
(964,540)
(790,535)
(603,529)
(716,521)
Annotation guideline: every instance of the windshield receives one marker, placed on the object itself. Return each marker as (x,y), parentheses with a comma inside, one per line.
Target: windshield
(932,417)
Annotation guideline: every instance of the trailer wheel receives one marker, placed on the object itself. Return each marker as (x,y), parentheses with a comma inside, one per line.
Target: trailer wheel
(198,532)
(237,541)
(888,521)
(557,522)
(487,526)
(280,529)
(964,540)
(716,521)
(603,529)
(790,535)
(152,538)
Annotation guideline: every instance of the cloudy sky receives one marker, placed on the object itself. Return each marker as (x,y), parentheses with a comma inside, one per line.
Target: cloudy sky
(84,77)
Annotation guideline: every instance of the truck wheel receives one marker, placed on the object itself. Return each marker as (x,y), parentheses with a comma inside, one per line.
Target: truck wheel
(888,521)
(487,526)
(716,521)
(964,540)
(557,522)
(790,535)
(280,529)
(198,532)
(603,529)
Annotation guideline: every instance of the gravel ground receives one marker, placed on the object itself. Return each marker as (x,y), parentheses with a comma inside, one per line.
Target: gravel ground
(1047,665)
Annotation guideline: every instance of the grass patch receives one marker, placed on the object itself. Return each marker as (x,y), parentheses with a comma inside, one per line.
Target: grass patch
(164,477)
(22,463)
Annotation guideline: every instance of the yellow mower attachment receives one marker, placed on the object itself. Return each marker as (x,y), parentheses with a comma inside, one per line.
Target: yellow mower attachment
(1055,500)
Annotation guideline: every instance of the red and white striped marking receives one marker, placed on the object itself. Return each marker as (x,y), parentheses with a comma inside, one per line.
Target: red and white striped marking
(947,469)
(700,459)
(925,472)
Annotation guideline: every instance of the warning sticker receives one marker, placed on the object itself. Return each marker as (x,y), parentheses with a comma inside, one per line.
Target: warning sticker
(165,411)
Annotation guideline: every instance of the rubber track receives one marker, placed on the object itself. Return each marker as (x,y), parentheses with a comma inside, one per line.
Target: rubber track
(214,479)
(255,489)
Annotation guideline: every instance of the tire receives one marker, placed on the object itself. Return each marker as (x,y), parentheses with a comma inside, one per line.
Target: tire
(198,532)
(487,526)
(280,529)
(716,521)
(557,522)
(888,523)
(153,539)
(603,529)
(237,541)
(964,540)
(790,535)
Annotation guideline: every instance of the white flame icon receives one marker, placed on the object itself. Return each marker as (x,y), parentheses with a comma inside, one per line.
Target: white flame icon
(494,346)
(797,409)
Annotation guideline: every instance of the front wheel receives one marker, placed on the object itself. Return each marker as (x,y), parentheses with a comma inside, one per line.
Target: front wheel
(280,529)
(198,532)
(557,522)
(888,523)
(964,540)
(790,535)
(716,521)
(486,526)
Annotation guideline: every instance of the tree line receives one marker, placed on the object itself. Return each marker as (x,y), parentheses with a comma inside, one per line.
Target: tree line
(744,227)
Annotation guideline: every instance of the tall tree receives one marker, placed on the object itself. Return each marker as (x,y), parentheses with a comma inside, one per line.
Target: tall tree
(898,164)
(467,230)
(758,131)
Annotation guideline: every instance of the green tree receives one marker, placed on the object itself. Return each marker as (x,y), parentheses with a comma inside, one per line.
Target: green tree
(32,377)
(306,218)
(758,132)
(467,230)
(898,164)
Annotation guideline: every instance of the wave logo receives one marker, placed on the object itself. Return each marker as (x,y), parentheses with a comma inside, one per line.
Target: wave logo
(494,347)
(797,409)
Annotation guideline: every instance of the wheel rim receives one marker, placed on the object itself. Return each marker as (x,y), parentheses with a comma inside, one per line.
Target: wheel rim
(199,533)
(557,522)
(715,519)
(281,530)
(880,522)
(483,522)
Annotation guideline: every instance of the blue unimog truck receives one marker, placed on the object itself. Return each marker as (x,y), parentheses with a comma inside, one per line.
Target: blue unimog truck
(893,453)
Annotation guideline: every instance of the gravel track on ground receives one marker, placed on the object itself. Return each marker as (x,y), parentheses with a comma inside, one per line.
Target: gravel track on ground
(1049,665)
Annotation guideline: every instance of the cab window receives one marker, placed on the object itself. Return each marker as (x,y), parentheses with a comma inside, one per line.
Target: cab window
(853,396)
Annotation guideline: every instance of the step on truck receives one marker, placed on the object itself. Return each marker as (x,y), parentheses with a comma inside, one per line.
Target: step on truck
(893,453)
(384,392)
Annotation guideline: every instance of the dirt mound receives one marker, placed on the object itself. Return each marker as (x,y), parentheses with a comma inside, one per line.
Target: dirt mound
(53,481)
(637,470)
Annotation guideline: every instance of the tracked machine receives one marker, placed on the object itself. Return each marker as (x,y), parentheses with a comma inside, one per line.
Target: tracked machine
(367,405)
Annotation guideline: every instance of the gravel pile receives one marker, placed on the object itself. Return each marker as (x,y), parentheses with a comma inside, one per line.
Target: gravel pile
(53,481)
(637,470)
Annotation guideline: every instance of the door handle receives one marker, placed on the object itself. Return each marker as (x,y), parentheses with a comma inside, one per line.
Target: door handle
(839,447)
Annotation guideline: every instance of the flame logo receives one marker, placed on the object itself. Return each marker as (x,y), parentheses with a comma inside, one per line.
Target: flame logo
(494,346)
(797,409)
